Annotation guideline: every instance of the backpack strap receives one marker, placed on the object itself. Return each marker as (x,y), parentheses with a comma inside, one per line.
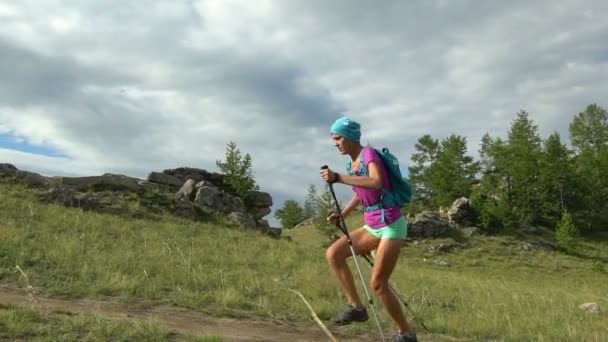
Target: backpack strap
(381,205)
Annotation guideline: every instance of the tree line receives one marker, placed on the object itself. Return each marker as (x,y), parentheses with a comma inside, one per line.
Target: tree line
(517,181)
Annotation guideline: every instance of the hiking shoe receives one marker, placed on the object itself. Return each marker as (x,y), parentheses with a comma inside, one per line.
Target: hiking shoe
(351,315)
(405,338)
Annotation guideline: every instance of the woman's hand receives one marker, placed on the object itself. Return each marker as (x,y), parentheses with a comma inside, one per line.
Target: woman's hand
(333,219)
(328,175)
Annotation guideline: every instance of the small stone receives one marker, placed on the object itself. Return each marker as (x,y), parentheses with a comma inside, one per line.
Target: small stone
(590,308)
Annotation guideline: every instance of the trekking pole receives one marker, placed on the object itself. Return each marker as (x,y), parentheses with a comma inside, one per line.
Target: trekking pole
(366,257)
(352,250)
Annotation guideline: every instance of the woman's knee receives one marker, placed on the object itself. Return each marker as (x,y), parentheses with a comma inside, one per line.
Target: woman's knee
(379,285)
(334,254)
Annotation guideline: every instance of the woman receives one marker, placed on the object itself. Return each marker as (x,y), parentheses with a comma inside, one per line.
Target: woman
(384,230)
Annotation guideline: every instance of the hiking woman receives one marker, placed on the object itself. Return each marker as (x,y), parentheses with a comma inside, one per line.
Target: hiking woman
(384,231)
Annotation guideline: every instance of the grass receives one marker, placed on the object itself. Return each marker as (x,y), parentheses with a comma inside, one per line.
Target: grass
(24,324)
(493,289)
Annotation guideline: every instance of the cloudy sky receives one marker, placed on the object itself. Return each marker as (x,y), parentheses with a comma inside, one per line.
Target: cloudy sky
(89,87)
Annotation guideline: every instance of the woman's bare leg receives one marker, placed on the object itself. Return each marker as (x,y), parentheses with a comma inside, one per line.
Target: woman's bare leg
(339,251)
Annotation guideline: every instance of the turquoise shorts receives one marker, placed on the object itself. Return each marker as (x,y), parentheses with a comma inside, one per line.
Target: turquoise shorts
(394,231)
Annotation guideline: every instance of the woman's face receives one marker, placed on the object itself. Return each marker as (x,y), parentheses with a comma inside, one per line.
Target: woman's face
(342,144)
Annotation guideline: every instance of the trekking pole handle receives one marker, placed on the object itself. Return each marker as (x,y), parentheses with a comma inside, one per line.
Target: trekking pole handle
(341,226)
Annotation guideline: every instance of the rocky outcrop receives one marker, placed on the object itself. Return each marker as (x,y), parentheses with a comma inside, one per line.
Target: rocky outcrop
(185,192)
(107,181)
(32,179)
(7,170)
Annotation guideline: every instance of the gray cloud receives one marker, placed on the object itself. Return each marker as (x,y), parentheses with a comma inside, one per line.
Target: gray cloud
(122,87)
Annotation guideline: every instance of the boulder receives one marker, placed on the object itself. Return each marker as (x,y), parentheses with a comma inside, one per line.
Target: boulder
(245,220)
(259,199)
(187,209)
(198,175)
(186,191)
(259,203)
(428,224)
(215,199)
(151,186)
(107,202)
(460,212)
(263,225)
(165,179)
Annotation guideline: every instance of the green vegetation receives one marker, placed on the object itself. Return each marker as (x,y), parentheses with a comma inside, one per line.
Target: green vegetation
(290,215)
(24,324)
(238,170)
(494,287)
(520,180)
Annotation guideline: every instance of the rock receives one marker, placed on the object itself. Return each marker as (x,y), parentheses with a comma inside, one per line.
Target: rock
(259,203)
(61,195)
(259,199)
(107,202)
(245,220)
(7,170)
(530,229)
(165,179)
(441,263)
(211,197)
(260,212)
(198,175)
(186,191)
(151,186)
(32,179)
(186,209)
(590,308)
(202,184)
(276,233)
(471,231)
(444,248)
(460,212)
(106,181)
(263,225)
(428,224)
(539,244)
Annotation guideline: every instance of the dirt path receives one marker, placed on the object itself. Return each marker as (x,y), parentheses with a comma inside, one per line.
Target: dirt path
(180,320)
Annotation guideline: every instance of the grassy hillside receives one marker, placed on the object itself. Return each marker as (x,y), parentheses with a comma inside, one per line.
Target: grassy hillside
(493,287)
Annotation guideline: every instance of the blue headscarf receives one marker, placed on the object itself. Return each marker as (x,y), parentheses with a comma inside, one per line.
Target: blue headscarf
(347,128)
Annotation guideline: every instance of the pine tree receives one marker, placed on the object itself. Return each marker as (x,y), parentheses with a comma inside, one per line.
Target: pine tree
(237,170)
(589,135)
(311,207)
(290,214)
(452,172)
(566,233)
(428,149)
